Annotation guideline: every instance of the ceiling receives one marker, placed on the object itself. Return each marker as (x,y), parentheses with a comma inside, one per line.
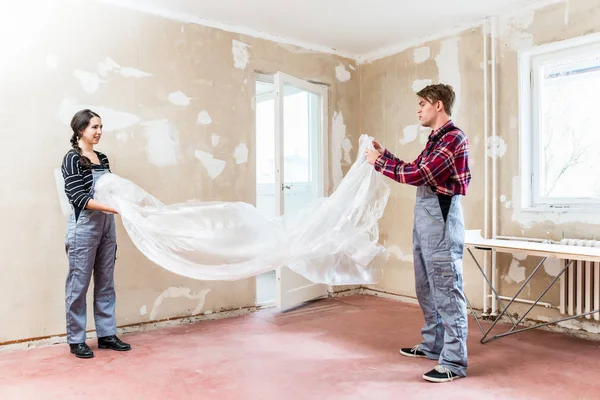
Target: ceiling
(353,28)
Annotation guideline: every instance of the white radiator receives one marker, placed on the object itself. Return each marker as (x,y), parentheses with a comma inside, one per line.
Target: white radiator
(580,284)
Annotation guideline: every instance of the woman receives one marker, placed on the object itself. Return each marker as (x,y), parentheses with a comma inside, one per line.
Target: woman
(91,240)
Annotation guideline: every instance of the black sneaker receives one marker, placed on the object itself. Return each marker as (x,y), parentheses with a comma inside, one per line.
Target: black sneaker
(81,350)
(440,374)
(413,352)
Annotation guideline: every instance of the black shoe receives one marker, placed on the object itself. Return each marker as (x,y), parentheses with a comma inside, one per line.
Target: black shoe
(81,350)
(413,352)
(113,343)
(440,374)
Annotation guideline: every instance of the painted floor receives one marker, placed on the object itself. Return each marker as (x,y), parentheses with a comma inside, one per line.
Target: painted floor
(344,348)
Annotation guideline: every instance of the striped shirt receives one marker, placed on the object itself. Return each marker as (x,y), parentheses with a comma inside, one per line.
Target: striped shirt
(79,180)
(443,164)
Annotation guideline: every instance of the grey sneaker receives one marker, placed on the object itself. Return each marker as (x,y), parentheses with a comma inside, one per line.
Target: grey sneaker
(412,352)
(440,374)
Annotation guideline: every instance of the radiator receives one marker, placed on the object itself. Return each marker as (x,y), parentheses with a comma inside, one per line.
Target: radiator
(580,284)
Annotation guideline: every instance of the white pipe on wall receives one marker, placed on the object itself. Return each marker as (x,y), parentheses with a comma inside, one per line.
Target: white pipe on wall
(486,289)
(494,85)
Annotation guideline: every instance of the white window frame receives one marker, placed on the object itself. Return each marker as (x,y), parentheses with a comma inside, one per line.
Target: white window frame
(529,122)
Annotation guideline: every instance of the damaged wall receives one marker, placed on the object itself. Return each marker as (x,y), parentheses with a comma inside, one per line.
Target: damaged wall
(564,20)
(388,89)
(388,111)
(166,90)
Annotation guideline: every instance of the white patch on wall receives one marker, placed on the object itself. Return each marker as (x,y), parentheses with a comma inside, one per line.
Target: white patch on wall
(90,81)
(52,61)
(346,149)
(449,69)
(420,84)
(512,30)
(113,120)
(215,140)
(553,266)
(498,144)
(241,153)
(341,73)
(421,54)
(162,142)
(123,136)
(507,203)
(411,133)
(175,292)
(179,98)
(143,310)
(107,65)
(213,166)
(204,118)
(340,147)
(129,72)
(240,54)
(352,67)
(516,272)
(397,252)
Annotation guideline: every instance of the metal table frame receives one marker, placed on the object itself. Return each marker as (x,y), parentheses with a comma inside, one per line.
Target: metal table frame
(515,324)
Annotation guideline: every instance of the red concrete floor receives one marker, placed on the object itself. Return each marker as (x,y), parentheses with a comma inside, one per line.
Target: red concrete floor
(344,348)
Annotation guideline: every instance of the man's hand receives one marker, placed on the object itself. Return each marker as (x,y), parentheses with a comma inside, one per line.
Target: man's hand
(372,156)
(378,147)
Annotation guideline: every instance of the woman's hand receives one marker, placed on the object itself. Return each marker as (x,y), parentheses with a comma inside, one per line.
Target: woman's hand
(95,205)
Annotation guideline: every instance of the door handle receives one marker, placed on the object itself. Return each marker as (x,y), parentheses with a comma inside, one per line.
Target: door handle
(285,186)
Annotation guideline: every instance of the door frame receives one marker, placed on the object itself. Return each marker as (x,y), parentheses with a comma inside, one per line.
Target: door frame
(290,295)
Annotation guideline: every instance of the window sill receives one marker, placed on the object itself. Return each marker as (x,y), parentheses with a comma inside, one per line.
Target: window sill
(593,209)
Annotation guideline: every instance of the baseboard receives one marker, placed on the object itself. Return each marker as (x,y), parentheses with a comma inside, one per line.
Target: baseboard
(147,326)
(346,293)
(24,344)
(388,295)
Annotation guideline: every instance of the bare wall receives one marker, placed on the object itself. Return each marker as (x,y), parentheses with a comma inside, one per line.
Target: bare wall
(155,82)
(561,21)
(389,112)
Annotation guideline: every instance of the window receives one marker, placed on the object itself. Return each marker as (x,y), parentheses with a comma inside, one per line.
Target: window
(560,124)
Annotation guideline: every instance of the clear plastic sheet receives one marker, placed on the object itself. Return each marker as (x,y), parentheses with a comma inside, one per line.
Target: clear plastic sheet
(334,242)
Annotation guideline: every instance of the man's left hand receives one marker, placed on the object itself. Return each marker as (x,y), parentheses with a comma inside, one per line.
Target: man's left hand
(372,156)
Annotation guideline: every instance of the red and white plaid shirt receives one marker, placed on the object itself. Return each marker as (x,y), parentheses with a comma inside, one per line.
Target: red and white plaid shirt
(443,164)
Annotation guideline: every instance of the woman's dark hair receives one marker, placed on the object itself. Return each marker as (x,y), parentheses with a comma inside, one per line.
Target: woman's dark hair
(79,122)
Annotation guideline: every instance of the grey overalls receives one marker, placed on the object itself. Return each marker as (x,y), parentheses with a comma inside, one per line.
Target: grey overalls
(438,250)
(91,247)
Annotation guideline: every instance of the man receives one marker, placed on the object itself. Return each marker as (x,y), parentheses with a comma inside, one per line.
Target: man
(441,174)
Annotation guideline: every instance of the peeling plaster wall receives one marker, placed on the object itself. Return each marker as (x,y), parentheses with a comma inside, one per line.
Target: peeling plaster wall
(565,20)
(177,102)
(388,111)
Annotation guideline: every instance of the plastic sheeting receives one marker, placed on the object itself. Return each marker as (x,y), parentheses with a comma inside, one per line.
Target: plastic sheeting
(334,242)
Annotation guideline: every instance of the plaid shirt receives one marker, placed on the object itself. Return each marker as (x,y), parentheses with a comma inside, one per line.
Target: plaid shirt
(443,164)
